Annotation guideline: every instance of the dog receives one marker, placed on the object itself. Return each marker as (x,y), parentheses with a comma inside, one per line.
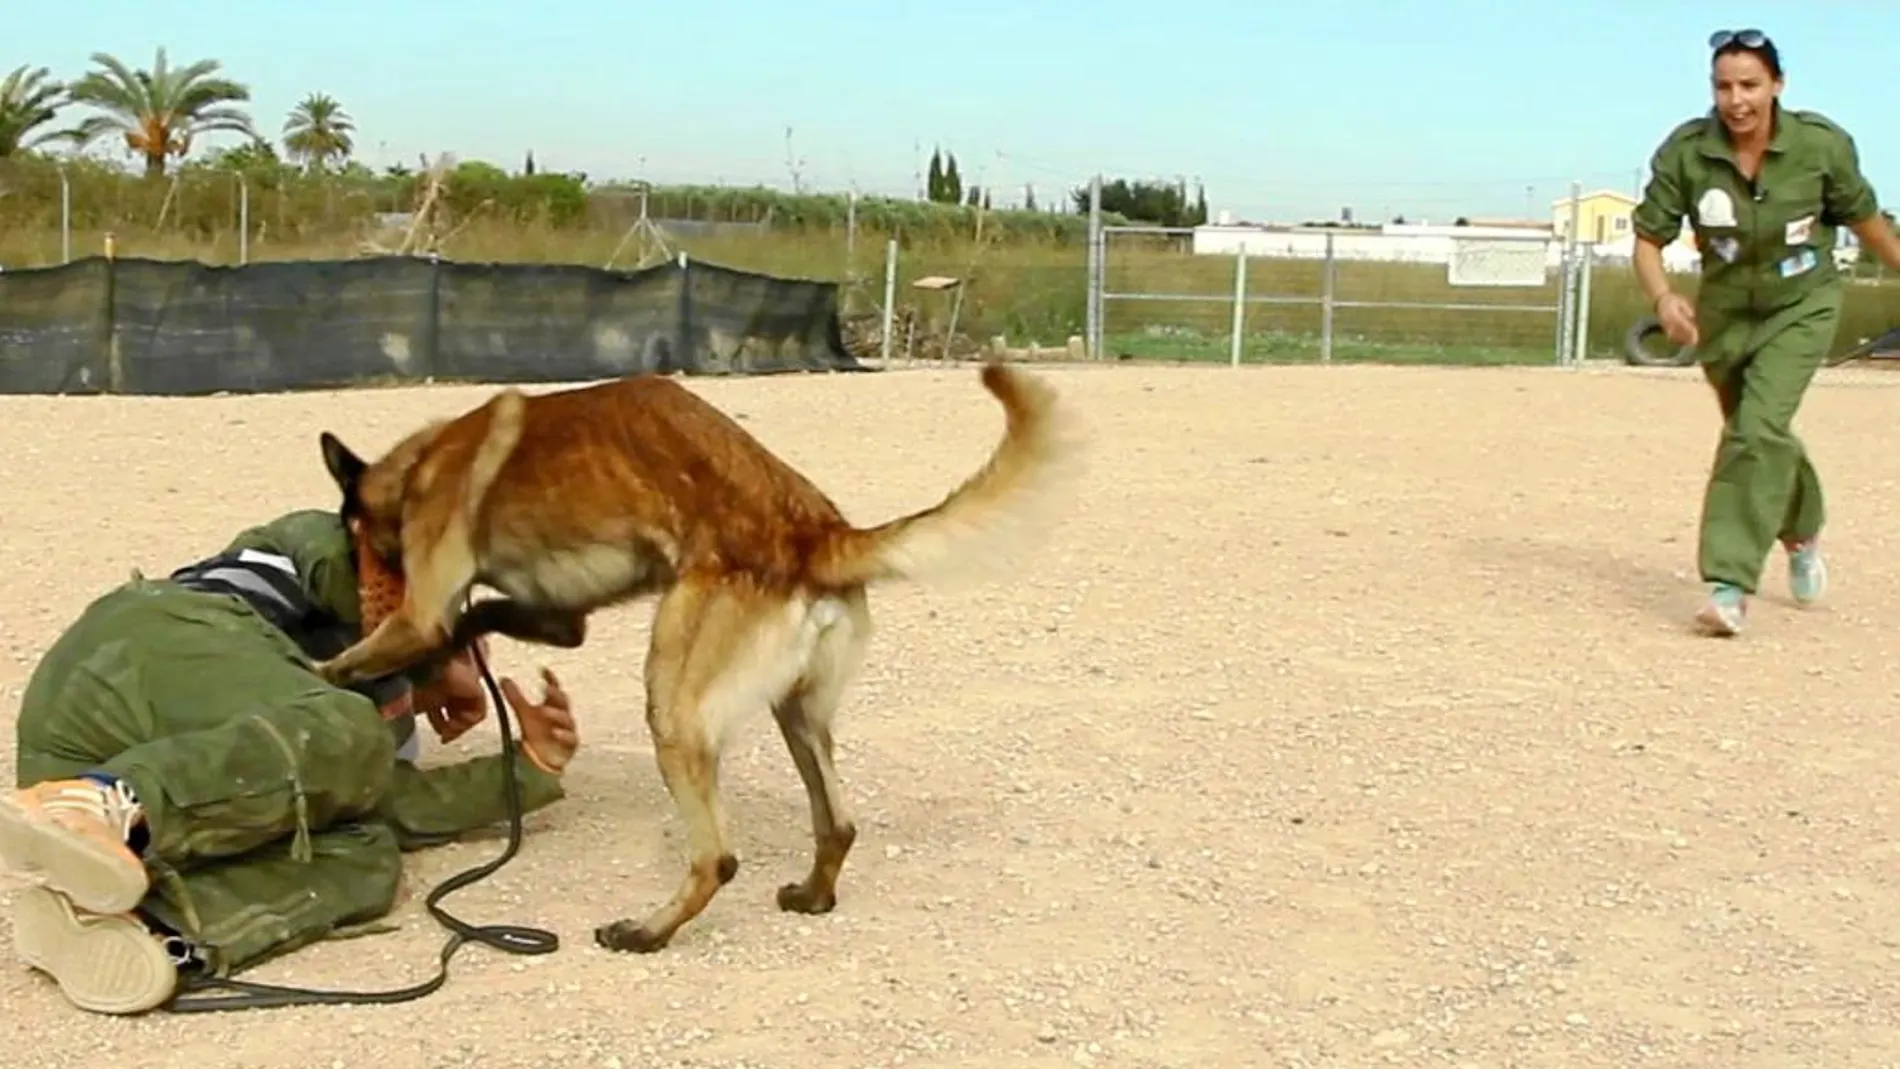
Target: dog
(573,501)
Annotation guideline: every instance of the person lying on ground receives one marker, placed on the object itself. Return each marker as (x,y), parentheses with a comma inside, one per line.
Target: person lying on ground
(192,796)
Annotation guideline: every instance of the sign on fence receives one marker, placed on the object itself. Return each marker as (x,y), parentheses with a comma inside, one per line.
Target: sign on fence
(1497,261)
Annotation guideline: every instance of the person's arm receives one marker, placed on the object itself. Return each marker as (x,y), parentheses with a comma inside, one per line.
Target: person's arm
(1657,221)
(431,805)
(1848,200)
(428,806)
(1647,260)
(1877,234)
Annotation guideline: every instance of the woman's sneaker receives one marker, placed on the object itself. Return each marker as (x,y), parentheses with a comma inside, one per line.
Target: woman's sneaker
(103,962)
(1807,572)
(1725,611)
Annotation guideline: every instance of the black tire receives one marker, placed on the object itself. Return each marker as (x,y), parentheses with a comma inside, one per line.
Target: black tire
(1880,347)
(1636,355)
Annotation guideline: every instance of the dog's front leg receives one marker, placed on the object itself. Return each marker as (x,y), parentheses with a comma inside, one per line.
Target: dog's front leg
(396,644)
(559,628)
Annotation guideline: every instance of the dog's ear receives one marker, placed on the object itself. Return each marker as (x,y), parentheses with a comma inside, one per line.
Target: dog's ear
(345,466)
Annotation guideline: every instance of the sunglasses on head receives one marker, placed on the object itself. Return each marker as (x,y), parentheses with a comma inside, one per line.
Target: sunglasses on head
(1721,39)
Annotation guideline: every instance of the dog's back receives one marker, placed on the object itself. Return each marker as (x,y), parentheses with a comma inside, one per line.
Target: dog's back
(644,463)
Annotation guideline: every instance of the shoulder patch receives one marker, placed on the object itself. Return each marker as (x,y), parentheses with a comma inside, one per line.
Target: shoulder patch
(1813,118)
(1680,138)
(1817,124)
(1687,130)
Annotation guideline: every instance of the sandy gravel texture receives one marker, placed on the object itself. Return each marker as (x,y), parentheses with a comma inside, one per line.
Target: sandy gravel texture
(1352,720)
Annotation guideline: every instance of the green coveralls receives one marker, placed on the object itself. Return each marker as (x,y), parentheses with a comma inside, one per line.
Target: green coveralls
(276,807)
(1768,308)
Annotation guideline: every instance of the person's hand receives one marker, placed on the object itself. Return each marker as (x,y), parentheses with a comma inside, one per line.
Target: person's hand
(455,702)
(547,729)
(1676,313)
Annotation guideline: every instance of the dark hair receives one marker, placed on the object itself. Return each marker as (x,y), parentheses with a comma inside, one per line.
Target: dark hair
(1754,42)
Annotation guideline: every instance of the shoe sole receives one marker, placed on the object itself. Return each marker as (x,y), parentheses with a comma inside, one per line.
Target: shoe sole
(97,878)
(1714,623)
(105,964)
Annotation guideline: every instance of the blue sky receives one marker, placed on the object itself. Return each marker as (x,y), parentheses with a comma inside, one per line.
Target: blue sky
(1285,110)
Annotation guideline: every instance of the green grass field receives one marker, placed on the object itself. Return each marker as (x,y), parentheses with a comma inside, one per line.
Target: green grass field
(1026,279)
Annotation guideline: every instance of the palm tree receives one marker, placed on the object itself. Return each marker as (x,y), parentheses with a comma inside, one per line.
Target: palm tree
(28,100)
(318,131)
(161,111)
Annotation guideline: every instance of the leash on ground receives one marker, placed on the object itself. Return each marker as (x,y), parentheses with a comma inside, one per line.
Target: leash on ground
(513,939)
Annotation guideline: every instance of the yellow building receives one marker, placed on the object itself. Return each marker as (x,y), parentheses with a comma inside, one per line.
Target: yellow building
(1603,216)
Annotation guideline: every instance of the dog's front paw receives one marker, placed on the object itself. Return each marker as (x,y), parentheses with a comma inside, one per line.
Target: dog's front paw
(334,672)
(628,936)
(801,898)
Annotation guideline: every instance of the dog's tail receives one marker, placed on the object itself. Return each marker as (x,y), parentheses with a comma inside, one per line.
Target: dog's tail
(1017,488)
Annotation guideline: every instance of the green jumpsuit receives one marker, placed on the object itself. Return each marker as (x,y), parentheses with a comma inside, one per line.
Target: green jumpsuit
(1768,308)
(276,807)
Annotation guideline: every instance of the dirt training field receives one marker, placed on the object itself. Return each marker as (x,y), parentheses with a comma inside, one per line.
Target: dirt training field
(1352,720)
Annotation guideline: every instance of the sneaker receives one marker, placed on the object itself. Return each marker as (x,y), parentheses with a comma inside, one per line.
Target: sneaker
(1807,572)
(103,962)
(72,835)
(1724,612)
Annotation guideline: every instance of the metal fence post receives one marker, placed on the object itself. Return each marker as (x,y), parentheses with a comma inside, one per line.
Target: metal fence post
(851,233)
(244,220)
(65,216)
(1566,292)
(1586,264)
(1240,303)
(890,299)
(115,362)
(683,314)
(1328,282)
(1559,338)
(432,326)
(1097,270)
(1576,263)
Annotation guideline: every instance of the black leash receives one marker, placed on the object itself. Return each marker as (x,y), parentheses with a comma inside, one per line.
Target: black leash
(510,938)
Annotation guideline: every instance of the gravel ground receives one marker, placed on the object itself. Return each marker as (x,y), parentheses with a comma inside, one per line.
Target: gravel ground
(1371,733)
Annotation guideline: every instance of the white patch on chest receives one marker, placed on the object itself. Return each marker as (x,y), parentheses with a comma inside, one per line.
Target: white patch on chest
(1799,232)
(1715,208)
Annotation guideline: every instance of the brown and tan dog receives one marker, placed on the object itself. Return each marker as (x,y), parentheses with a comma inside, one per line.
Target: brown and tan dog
(571,501)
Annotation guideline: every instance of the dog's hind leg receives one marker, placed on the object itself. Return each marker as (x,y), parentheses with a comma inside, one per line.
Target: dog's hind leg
(717,653)
(805,718)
